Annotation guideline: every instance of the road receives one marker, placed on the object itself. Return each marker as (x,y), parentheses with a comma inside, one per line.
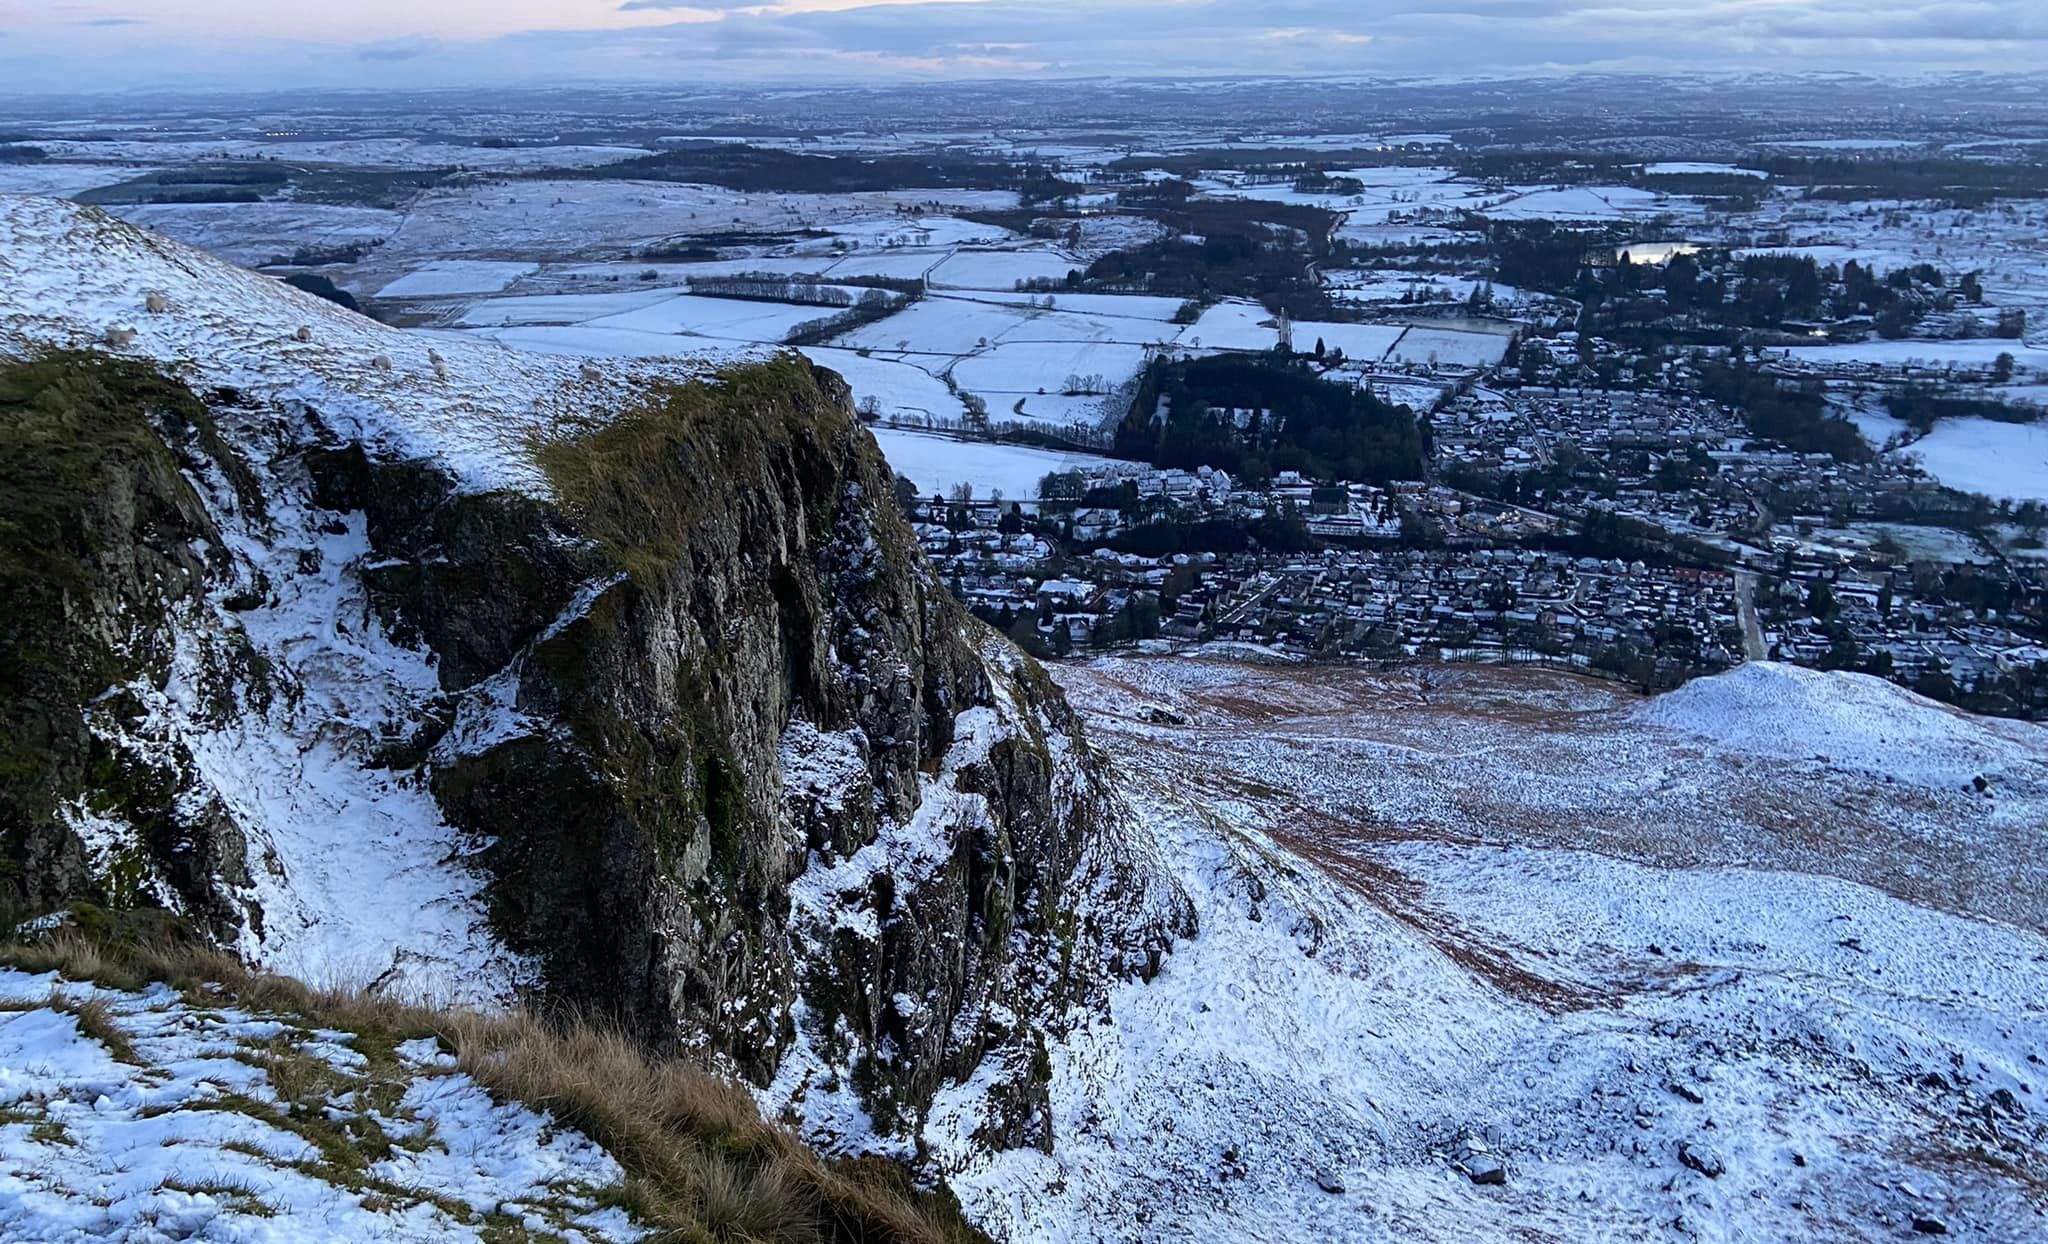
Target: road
(1745,604)
(1251,602)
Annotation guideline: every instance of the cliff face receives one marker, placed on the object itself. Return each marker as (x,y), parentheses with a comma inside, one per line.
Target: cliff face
(752,778)
(691,737)
(106,543)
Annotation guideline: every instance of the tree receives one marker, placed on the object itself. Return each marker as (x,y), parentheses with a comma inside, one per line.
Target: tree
(977,411)
(1024,633)
(906,496)
(1681,282)
(2002,367)
(1820,600)
(1068,486)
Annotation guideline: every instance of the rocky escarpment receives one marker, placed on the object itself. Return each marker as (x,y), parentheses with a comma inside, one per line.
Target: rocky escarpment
(691,737)
(754,780)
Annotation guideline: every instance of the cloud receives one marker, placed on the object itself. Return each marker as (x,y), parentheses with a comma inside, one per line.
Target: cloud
(397,50)
(841,40)
(1166,37)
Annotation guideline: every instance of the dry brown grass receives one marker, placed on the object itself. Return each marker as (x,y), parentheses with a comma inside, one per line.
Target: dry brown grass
(702,1165)
(95,1016)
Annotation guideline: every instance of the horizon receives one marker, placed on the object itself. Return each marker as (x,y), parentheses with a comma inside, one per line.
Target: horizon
(238,46)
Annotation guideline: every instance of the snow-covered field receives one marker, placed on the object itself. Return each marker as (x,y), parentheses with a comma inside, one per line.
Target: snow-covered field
(63,179)
(1756,961)
(1695,168)
(1969,352)
(1248,326)
(1591,203)
(448,277)
(1232,326)
(1386,193)
(935,464)
(1984,456)
(1450,347)
(620,322)
(898,390)
(1000,270)
(1025,367)
(261,233)
(1392,285)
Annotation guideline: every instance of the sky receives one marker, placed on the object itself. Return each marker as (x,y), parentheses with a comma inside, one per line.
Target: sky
(55,45)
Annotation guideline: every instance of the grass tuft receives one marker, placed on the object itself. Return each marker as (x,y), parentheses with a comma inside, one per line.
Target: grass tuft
(640,483)
(95,1018)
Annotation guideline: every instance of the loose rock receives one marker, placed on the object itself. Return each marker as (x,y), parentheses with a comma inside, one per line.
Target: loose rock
(1702,1158)
(1486,1170)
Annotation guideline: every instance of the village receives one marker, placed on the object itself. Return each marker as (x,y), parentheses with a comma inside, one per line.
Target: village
(1636,534)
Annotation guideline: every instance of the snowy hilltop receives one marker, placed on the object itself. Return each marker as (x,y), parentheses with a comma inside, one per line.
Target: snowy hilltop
(423,670)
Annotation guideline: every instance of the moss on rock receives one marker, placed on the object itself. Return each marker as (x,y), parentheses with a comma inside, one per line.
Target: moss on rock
(100,539)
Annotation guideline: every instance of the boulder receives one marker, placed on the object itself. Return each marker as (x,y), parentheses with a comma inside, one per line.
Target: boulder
(1703,1158)
(1485,1169)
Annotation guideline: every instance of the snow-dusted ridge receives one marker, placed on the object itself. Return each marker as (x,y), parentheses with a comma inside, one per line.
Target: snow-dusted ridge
(73,276)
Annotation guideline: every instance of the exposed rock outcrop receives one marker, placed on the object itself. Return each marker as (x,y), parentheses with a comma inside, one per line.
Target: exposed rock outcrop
(726,760)
(743,759)
(107,547)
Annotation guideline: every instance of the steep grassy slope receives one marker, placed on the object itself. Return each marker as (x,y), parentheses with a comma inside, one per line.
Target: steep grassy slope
(232,1104)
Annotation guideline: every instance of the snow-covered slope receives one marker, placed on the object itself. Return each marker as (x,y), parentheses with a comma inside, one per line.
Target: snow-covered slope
(1852,721)
(160,1119)
(1425,1005)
